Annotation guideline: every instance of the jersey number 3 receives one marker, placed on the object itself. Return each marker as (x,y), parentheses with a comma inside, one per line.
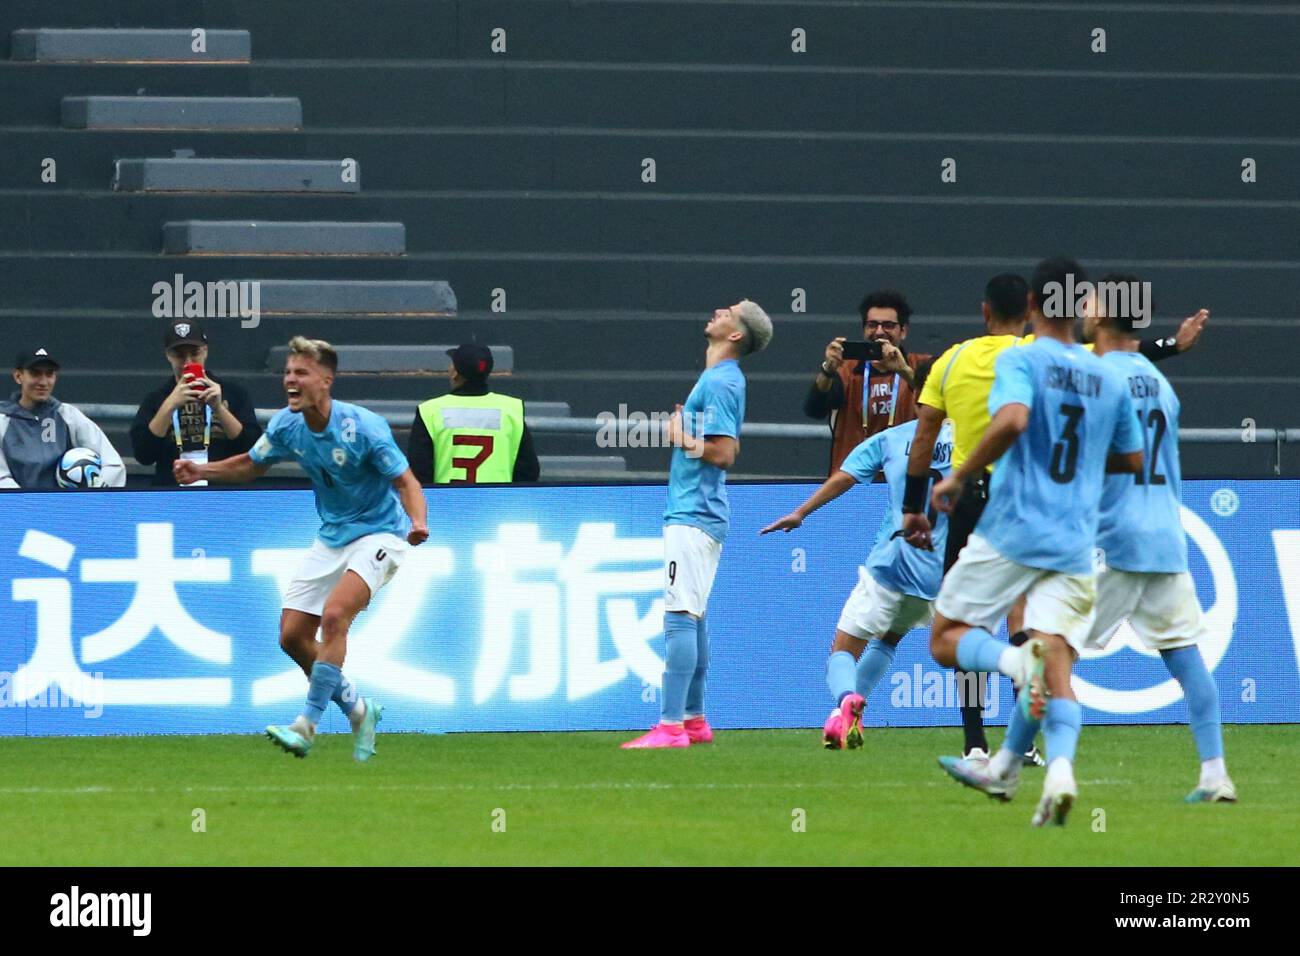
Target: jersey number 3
(471,465)
(1065,453)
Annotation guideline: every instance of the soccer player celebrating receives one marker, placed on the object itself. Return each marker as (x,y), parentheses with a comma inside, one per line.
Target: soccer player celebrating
(895,586)
(362,486)
(1061,419)
(1141,535)
(705,435)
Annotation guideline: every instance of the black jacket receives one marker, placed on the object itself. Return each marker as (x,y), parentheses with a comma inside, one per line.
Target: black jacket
(149,449)
(419,447)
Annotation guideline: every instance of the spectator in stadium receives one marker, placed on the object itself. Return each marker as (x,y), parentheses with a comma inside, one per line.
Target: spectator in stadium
(36,429)
(863,401)
(198,418)
(471,435)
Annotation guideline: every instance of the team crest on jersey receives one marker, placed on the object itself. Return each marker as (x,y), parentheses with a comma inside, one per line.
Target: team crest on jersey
(340,456)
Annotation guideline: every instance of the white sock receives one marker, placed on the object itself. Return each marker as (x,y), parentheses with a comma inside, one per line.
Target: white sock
(1213,771)
(1009,661)
(358,713)
(1002,762)
(1060,770)
(301,725)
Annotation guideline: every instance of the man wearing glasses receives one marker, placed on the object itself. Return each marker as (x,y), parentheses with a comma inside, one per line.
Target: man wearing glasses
(862,399)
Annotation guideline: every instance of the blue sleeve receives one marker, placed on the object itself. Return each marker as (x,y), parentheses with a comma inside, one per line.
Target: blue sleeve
(865,461)
(723,411)
(383,452)
(270,447)
(1128,436)
(1013,382)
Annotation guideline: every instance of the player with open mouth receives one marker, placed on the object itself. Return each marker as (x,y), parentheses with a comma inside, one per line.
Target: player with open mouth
(371,509)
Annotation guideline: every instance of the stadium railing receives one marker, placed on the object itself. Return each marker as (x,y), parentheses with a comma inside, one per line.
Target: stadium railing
(779,430)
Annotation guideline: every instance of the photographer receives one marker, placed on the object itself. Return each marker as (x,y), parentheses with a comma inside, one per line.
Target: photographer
(864,397)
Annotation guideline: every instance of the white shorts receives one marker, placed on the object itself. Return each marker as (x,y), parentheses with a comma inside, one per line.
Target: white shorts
(690,563)
(375,557)
(1162,608)
(874,610)
(983,585)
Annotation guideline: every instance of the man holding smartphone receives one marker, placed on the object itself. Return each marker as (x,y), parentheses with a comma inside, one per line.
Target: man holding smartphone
(193,415)
(864,396)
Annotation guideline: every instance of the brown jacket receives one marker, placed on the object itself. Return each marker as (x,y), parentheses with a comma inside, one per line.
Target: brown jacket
(842,402)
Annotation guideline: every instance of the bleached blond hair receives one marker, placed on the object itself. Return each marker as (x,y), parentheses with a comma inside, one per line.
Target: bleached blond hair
(318,350)
(757,325)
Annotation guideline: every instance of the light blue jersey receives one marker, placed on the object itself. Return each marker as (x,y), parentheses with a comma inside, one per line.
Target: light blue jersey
(1141,520)
(352,465)
(697,491)
(1045,499)
(893,562)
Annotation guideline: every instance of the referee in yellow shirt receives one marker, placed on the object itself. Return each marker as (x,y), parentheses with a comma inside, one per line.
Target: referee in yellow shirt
(958,388)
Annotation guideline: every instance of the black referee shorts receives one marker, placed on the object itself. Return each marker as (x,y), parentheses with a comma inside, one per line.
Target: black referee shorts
(964,518)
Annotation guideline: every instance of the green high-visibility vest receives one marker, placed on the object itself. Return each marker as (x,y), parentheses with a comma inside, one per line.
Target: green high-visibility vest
(475,437)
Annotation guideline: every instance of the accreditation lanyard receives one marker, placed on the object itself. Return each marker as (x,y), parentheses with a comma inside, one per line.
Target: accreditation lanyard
(207,428)
(866,399)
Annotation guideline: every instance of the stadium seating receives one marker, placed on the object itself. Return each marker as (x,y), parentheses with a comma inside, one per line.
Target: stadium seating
(521,175)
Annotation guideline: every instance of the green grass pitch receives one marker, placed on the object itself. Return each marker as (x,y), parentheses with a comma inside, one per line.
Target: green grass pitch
(578,799)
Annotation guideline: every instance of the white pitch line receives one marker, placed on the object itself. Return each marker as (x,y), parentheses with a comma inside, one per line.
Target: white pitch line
(489,788)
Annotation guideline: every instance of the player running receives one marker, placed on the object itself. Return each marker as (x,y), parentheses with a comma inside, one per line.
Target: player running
(897,584)
(1141,536)
(362,486)
(705,435)
(1062,418)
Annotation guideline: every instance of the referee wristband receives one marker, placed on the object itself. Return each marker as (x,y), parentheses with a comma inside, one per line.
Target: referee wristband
(915,493)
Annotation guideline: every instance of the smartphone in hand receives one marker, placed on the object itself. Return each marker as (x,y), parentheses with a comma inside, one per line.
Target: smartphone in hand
(863,351)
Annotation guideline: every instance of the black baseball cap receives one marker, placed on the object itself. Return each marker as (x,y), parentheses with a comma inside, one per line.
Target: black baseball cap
(30,358)
(472,360)
(184,332)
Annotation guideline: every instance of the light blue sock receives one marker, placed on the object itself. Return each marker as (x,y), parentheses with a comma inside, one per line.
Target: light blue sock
(1188,668)
(681,651)
(346,695)
(978,650)
(325,680)
(875,660)
(700,678)
(1020,732)
(1061,728)
(840,675)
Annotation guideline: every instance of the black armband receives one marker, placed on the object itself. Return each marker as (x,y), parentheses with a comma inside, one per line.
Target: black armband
(915,494)
(1158,349)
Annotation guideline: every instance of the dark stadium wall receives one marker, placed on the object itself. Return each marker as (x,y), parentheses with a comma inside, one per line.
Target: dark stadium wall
(774,172)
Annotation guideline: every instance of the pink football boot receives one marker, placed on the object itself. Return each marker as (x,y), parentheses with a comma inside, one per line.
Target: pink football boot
(851,709)
(660,735)
(698,730)
(832,735)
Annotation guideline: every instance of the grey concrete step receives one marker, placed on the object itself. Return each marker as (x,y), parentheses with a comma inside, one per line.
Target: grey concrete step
(48,45)
(384,406)
(207,238)
(397,358)
(182,112)
(581,466)
(228,175)
(357,297)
